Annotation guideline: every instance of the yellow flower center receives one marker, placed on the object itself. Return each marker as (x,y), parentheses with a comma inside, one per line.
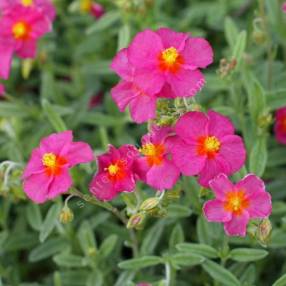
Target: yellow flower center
(170,56)
(212,144)
(113,169)
(236,202)
(21,30)
(148,149)
(154,153)
(49,160)
(27,3)
(85,5)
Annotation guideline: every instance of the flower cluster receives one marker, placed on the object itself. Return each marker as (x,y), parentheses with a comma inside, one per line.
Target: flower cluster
(22,23)
(155,65)
(94,9)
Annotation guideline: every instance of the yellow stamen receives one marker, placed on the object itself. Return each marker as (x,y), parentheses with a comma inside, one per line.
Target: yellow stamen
(27,3)
(20,30)
(212,144)
(113,169)
(170,56)
(49,160)
(148,149)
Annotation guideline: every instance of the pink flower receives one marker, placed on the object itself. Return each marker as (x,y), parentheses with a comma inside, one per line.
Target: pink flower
(206,146)
(169,58)
(115,173)
(45,6)
(47,174)
(2,90)
(280,125)
(97,10)
(96,100)
(235,205)
(20,29)
(284,7)
(156,168)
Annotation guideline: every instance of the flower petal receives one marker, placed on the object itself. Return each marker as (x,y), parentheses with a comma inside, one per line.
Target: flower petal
(122,94)
(260,205)
(216,122)
(191,126)
(221,185)
(185,157)
(79,152)
(6,53)
(143,108)
(171,38)
(198,53)
(36,187)
(214,211)
(34,165)
(102,188)
(251,184)
(233,151)
(60,184)
(121,65)
(237,225)
(163,176)
(186,83)
(145,49)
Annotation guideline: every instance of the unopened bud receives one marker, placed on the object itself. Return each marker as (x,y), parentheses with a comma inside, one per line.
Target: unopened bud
(91,251)
(263,232)
(259,37)
(265,120)
(149,204)
(66,215)
(135,220)
(27,66)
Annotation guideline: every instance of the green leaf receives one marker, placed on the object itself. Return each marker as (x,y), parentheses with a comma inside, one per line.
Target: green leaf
(108,245)
(86,238)
(178,211)
(54,118)
(276,99)
(186,259)
(34,216)
(281,281)
(200,249)
(258,157)
(69,260)
(47,249)
(142,262)
(9,109)
(220,274)
(239,47)
(104,22)
(152,238)
(231,31)
(247,254)
(177,236)
(95,278)
(123,37)
(50,221)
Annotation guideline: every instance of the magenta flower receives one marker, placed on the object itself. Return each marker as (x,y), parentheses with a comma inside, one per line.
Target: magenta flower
(206,146)
(45,6)
(20,29)
(235,205)
(280,125)
(169,58)
(97,10)
(156,168)
(46,175)
(284,7)
(115,173)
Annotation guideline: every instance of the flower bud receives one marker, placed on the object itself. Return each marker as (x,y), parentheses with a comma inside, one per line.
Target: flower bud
(149,204)
(66,215)
(135,221)
(259,37)
(263,232)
